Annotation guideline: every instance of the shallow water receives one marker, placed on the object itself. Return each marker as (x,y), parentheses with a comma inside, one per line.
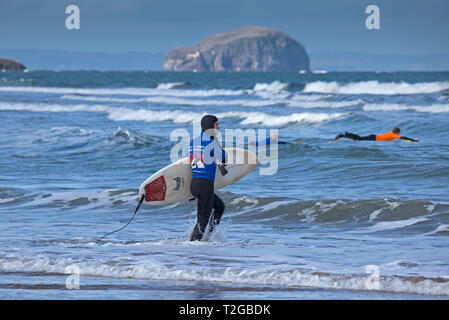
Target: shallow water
(338,219)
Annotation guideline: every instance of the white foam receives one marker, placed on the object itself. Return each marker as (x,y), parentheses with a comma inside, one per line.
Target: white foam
(440,228)
(151,270)
(435,108)
(275,86)
(177,116)
(275,204)
(390,225)
(271,120)
(91,200)
(373,215)
(41,107)
(324,104)
(177,101)
(127,91)
(391,206)
(169,85)
(310,97)
(245,199)
(308,214)
(269,100)
(375,87)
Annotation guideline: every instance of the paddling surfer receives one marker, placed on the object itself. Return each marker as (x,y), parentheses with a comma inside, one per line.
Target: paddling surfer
(388,136)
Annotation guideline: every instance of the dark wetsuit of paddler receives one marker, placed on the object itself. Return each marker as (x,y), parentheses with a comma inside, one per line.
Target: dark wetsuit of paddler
(203,152)
(388,136)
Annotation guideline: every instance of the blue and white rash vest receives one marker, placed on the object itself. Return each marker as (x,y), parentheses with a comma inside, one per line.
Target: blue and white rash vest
(203,151)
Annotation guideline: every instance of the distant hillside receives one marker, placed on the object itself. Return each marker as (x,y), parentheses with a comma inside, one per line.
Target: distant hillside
(66,60)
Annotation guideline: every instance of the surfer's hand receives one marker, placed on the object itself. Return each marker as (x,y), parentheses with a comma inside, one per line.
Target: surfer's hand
(222,169)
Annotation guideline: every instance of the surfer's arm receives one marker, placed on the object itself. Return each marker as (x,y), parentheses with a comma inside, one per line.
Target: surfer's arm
(221,157)
(219,153)
(410,139)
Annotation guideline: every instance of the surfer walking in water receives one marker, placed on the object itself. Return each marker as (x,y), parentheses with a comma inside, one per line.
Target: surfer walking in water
(203,152)
(388,136)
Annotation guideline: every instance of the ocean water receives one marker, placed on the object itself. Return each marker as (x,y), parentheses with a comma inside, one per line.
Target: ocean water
(335,219)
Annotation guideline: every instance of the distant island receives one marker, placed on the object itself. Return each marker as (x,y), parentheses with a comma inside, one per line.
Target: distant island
(243,49)
(11,65)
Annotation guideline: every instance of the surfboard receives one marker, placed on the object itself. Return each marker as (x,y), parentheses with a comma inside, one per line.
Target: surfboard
(171,184)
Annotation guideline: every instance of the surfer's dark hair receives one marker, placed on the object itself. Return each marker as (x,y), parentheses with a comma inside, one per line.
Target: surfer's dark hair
(207,122)
(396,130)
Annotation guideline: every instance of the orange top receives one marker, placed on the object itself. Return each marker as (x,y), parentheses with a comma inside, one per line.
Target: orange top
(387,136)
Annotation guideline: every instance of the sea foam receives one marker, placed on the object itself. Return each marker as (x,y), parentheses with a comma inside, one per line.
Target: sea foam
(376,87)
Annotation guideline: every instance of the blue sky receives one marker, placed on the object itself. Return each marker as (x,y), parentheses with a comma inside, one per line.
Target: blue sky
(407,26)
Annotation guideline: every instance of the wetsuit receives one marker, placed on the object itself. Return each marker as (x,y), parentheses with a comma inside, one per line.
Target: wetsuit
(388,136)
(203,151)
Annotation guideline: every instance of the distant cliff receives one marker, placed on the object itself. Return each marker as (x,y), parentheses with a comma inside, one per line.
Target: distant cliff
(244,49)
(11,65)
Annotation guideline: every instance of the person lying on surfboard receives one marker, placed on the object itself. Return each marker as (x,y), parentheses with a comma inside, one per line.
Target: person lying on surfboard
(388,136)
(203,152)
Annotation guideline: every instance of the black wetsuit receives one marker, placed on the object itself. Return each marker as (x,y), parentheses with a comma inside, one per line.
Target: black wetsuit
(203,190)
(353,136)
(203,170)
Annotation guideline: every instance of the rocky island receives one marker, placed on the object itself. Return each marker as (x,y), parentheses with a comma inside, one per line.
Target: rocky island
(243,49)
(11,65)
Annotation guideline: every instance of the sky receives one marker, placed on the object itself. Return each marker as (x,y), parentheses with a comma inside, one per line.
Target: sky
(406,26)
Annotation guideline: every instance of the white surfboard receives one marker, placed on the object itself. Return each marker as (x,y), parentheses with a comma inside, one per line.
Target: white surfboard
(172,183)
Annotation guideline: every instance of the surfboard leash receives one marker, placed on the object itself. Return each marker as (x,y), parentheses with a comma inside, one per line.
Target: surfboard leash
(132,218)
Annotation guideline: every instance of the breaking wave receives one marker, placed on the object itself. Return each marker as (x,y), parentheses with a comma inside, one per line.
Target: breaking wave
(177,116)
(170,85)
(376,87)
(292,278)
(127,91)
(435,108)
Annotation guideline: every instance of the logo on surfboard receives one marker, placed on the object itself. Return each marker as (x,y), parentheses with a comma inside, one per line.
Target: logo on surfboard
(179,183)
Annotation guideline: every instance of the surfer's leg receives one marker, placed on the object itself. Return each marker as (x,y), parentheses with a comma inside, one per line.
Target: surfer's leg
(219,208)
(203,190)
(371,137)
(352,136)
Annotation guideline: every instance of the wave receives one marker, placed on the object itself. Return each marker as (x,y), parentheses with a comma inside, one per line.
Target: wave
(43,107)
(177,116)
(261,118)
(269,276)
(365,216)
(271,120)
(178,101)
(368,216)
(170,85)
(297,102)
(126,91)
(435,108)
(375,87)
(325,104)
(275,86)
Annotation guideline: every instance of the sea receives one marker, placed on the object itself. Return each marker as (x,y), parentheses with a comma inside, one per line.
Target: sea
(318,218)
